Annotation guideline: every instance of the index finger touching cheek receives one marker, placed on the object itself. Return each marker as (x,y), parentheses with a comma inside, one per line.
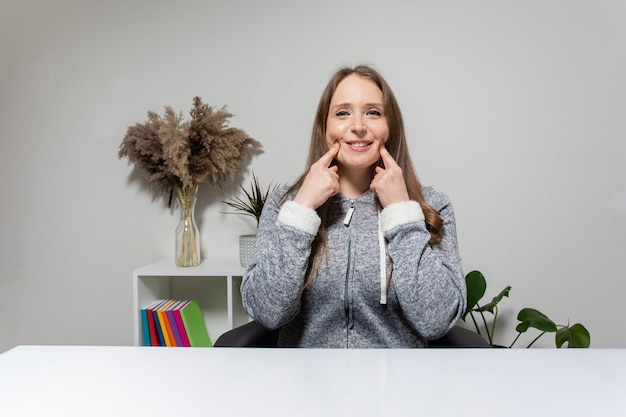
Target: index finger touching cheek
(327,158)
(387,158)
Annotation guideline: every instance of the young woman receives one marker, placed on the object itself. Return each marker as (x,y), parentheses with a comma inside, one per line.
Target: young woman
(356,253)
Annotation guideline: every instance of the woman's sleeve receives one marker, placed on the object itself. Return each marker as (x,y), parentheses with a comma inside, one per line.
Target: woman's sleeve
(274,279)
(428,281)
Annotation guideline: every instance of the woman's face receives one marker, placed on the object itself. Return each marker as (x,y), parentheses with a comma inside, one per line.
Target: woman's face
(357,120)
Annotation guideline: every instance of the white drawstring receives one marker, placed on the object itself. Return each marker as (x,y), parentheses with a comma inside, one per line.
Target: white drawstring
(383,263)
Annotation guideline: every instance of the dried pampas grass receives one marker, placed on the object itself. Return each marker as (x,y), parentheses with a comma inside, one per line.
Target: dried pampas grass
(175,154)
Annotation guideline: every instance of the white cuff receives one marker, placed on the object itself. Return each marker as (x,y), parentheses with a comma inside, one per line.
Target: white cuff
(299,217)
(400,213)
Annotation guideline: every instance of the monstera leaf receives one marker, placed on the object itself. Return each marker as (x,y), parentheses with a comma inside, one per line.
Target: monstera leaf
(576,336)
(491,306)
(476,287)
(530,317)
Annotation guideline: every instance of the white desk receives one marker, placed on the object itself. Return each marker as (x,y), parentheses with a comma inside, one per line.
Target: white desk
(146,381)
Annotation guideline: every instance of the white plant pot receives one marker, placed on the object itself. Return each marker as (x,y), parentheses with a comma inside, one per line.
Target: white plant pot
(246,244)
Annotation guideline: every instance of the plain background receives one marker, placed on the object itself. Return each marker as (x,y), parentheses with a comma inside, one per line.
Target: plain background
(516,109)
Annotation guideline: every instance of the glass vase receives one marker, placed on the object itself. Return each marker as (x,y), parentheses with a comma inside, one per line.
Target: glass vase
(187,234)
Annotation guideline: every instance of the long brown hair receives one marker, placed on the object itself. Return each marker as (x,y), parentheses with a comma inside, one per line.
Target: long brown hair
(396,145)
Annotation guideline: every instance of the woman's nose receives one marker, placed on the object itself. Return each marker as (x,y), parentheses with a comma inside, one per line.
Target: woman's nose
(358,127)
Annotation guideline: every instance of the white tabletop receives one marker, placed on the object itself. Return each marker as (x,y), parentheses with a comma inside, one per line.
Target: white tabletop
(148,381)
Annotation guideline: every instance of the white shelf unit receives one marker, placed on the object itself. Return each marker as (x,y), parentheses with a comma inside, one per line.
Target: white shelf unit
(214,286)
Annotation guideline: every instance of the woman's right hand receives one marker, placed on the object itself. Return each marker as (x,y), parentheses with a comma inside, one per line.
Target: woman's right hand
(321,182)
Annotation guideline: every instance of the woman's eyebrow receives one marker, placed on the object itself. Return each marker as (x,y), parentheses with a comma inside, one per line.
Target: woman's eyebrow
(340,105)
(374,104)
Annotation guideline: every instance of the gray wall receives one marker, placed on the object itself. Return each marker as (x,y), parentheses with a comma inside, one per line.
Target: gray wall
(514,109)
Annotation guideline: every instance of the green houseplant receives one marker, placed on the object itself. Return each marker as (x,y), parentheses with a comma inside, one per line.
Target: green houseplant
(575,336)
(249,203)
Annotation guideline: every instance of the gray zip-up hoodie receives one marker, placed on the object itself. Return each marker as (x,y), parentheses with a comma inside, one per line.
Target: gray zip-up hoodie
(348,305)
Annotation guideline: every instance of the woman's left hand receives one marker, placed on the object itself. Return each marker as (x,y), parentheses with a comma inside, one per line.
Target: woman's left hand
(388,183)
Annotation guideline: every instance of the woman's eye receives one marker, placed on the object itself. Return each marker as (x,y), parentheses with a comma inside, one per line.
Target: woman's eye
(374,112)
(342,113)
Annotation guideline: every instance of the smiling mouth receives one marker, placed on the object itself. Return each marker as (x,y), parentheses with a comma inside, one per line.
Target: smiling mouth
(358,144)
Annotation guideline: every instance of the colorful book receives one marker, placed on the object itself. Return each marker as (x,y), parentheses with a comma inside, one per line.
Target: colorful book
(168,325)
(147,323)
(195,327)
(180,325)
(160,341)
(145,331)
(172,323)
(163,323)
(155,338)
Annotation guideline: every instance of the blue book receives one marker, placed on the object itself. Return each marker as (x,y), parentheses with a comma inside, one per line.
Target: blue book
(159,333)
(145,328)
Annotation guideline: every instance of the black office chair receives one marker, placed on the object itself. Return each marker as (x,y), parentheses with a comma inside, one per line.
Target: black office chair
(254,335)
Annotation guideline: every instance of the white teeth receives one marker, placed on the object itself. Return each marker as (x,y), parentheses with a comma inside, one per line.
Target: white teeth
(359,145)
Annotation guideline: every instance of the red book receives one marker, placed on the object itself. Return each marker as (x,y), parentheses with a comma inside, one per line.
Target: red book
(153,337)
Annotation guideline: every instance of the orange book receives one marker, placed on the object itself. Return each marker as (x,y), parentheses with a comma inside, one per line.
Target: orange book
(163,322)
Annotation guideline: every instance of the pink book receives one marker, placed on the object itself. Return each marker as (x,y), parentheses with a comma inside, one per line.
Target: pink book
(180,325)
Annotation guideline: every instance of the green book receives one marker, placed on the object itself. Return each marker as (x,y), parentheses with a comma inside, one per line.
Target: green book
(195,326)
